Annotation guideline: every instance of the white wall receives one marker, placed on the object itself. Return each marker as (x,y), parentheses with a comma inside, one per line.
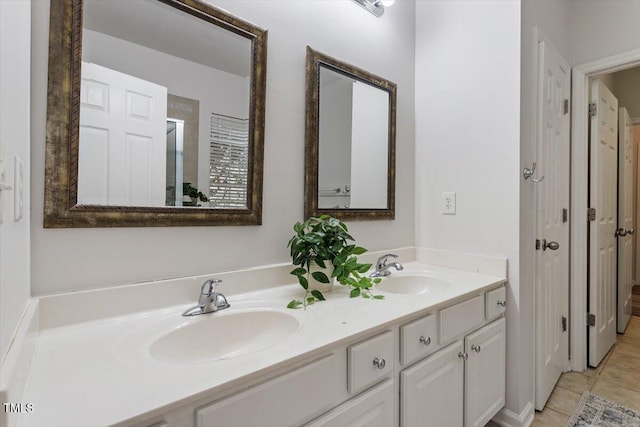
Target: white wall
(467,141)
(15,38)
(334,134)
(551,17)
(68,259)
(603,28)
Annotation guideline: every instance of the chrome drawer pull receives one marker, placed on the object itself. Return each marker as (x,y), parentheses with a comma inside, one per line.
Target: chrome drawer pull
(502,303)
(379,363)
(426,341)
(464,356)
(476,348)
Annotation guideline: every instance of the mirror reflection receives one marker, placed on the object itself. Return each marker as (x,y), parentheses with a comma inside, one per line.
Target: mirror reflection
(353,143)
(164,108)
(350,141)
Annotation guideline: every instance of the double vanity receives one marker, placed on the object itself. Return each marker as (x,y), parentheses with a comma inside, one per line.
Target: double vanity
(432,349)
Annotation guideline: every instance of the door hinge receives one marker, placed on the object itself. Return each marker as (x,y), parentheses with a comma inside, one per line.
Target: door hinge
(537,244)
(591,319)
(565,214)
(591,214)
(593,109)
(564,324)
(566,106)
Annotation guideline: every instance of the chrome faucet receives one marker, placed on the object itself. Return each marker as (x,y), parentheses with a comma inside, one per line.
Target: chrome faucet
(382,267)
(209,301)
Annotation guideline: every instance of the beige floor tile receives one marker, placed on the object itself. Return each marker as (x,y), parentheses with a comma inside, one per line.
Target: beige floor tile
(576,381)
(621,376)
(629,349)
(591,372)
(563,401)
(550,418)
(624,360)
(630,338)
(614,392)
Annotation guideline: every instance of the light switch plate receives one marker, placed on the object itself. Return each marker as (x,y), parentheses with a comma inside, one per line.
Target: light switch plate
(18,184)
(448,203)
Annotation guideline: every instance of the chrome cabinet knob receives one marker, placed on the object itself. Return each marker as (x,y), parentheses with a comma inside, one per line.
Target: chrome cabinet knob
(502,303)
(426,341)
(379,363)
(550,245)
(463,356)
(476,348)
(631,231)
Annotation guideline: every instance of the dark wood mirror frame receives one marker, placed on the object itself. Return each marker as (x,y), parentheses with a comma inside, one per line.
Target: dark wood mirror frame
(314,61)
(63,109)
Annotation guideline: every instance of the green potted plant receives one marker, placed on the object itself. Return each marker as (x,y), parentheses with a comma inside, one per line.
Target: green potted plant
(321,249)
(193,193)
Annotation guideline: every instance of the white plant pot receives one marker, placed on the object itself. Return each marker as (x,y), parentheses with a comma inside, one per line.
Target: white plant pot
(322,287)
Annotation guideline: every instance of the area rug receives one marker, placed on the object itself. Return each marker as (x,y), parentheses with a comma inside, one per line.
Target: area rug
(593,410)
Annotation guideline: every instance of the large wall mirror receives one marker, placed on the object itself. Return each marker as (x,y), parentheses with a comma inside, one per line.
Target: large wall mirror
(155,115)
(350,141)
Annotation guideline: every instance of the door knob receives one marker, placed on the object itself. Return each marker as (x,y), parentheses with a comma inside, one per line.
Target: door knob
(621,232)
(549,245)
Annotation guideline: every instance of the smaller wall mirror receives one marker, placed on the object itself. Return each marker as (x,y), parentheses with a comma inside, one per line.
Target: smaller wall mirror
(350,141)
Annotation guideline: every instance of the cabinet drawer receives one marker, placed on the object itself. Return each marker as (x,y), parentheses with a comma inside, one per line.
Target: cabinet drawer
(370,361)
(370,409)
(264,405)
(418,338)
(496,302)
(461,318)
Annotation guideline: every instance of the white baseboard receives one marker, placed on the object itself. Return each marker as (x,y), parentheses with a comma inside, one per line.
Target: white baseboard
(15,367)
(508,418)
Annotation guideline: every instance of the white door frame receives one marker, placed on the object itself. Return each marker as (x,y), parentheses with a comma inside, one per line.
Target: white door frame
(580,194)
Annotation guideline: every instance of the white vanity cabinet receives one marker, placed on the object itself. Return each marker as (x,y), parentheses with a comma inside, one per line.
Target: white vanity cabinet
(443,368)
(469,374)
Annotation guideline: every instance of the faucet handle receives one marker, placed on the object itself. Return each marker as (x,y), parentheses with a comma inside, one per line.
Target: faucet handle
(382,261)
(209,287)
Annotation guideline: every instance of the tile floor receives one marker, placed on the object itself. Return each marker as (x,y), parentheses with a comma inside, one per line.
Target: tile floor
(617,379)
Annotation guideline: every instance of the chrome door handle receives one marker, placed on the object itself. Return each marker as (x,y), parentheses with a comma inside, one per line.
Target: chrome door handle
(621,232)
(528,173)
(426,341)
(631,231)
(554,246)
(502,303)
(476,348)
(463,356)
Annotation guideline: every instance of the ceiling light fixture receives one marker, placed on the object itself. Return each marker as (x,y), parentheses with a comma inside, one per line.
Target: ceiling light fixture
(376,7)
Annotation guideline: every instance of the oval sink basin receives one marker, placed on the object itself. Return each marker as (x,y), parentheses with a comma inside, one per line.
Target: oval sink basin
(222,336)
(413,284)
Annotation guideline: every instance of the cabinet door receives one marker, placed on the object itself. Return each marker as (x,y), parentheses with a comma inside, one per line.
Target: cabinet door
(373,408)
(485,373)
(431,391)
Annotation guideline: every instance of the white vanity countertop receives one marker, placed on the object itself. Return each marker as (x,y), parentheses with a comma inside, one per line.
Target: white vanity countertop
(99,372)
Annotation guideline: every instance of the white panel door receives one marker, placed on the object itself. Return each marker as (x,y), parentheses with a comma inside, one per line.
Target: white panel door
(122,150)
(602,231)
(369,147)
(485,374)
(552,226)
(625,218)
(431,392)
